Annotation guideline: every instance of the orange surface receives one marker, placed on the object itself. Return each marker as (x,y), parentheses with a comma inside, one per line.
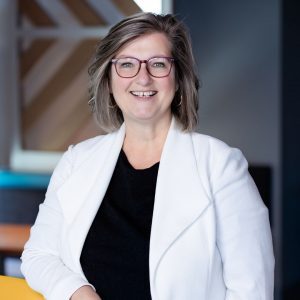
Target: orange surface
(13,237)
(16,289)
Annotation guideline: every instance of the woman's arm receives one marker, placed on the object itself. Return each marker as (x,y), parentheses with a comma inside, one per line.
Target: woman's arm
(41,263)
(243,229)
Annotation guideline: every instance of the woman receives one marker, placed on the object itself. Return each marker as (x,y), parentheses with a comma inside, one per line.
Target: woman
(150,210)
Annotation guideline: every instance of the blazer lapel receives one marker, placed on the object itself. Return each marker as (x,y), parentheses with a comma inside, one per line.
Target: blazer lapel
(180,197)
(81,196)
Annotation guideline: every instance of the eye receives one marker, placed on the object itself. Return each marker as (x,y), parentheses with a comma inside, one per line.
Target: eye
(159,63)
(126,65)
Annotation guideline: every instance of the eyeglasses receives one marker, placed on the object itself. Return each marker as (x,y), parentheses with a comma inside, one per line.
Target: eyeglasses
(128,67)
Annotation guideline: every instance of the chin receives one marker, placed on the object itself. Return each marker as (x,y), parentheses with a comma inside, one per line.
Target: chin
(144,116)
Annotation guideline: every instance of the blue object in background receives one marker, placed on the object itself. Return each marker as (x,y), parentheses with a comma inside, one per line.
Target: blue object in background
(9,179)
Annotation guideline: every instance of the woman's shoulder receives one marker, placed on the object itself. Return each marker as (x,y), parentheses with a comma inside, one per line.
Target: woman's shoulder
(80,152)
(77,155)
(210,143)
(90,143)
(221,162)
(217,153)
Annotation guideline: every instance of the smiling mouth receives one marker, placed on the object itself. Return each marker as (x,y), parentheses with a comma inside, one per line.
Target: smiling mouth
(143,94)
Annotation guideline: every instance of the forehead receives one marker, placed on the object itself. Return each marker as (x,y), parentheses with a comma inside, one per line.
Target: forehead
(143,47)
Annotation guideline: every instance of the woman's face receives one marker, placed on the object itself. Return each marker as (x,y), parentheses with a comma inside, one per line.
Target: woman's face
(144,98)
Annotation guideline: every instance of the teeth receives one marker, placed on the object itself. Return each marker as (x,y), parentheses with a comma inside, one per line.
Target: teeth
(143,94)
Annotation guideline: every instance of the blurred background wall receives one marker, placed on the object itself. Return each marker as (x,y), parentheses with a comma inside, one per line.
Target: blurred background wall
(247,54)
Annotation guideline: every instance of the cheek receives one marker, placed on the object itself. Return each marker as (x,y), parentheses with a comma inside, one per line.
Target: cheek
(118,85)
(172,81)
(172,84)
(175,80)
(115,88)
(115,82)
(112,82)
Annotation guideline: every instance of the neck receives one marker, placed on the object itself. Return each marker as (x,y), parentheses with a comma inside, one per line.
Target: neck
(138,134)
(143,144)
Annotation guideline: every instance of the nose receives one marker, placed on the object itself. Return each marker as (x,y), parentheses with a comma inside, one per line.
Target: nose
(143,76)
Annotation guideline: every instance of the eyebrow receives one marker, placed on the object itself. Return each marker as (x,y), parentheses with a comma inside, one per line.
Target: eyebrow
(131,56)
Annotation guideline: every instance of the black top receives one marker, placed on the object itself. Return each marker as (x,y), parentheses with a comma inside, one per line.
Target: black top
(115,255)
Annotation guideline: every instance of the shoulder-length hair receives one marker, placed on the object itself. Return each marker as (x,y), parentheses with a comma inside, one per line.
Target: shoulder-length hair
(185,103)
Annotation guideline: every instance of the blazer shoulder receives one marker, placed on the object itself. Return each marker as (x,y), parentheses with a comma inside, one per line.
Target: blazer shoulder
(216,155)
(77,154)
(73,157)
(211,144)
(83,150)
(91,143)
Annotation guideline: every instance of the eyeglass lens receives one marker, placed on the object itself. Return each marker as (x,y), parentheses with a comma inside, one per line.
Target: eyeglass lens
(157,66)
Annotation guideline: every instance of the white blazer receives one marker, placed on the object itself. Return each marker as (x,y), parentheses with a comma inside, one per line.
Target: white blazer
(210,236)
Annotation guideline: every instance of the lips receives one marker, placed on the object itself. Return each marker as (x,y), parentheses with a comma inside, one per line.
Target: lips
(143,94)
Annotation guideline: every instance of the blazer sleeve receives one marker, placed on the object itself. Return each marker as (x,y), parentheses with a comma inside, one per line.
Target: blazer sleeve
(243,229)
(41,265)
